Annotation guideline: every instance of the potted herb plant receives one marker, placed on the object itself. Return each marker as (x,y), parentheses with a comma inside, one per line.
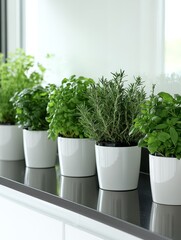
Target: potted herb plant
(159,122)
(17,72)
(76,154)
(30,108)
(107,118)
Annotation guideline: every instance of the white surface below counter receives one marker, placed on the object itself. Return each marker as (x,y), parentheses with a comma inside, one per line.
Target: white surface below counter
(26,217)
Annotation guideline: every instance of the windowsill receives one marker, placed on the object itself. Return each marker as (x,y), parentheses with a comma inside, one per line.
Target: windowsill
(130,211)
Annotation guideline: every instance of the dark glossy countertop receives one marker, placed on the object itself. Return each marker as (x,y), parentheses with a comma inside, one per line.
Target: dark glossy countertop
(131,211)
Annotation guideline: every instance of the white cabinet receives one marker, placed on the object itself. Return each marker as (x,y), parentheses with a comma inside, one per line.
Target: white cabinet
(77,234)
(20,222)
(26,217)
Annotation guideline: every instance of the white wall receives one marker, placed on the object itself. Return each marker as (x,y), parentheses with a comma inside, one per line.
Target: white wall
(94,38)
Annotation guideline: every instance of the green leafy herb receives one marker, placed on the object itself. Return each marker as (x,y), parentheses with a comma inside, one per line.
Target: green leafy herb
(19,71)
(159,122)
(63,114)
(30,107)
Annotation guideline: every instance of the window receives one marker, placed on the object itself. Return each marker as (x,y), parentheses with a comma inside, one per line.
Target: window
(172,36)
(94,38)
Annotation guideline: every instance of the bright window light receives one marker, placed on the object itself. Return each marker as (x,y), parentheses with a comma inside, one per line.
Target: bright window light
(172,36)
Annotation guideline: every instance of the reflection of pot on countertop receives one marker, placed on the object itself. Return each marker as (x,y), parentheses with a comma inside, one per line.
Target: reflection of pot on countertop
(166,220)
(123,205)
(41,178)
(80,190)
(13,170)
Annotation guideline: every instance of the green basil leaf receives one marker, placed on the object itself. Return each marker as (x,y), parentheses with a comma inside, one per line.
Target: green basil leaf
(163,136)
(161,126)
(166,96)
(174,135)
(153,147)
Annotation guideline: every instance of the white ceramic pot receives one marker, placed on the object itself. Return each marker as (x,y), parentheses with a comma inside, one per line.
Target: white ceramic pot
(40,152)
(77,157)
(11,142)
(120,204)
(118,167)
(165,178)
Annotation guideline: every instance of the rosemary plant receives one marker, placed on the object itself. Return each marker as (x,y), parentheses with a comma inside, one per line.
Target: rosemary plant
(111,110)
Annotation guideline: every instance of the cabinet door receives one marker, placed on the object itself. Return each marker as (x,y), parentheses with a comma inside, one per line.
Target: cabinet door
(23,217)
(19,222)
(77,234)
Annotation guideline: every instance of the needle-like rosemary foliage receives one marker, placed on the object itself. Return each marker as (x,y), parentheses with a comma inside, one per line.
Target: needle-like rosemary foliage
(111,109)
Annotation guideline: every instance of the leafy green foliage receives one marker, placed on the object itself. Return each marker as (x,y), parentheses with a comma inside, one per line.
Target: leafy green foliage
(63,115)
(111,110)
(30,107)
(159,122)
(19,71)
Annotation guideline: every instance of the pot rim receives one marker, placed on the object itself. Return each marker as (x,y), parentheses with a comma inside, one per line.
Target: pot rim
(116,144)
